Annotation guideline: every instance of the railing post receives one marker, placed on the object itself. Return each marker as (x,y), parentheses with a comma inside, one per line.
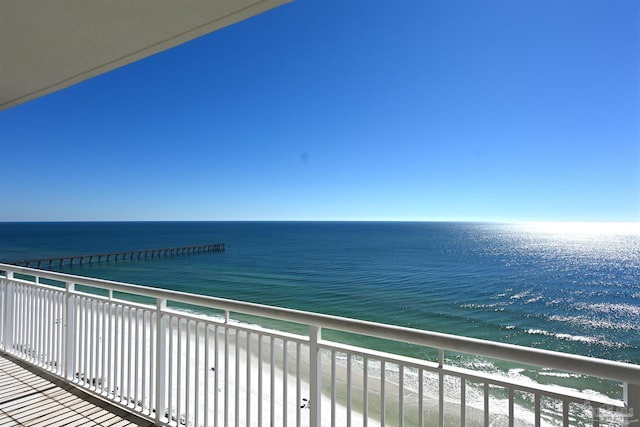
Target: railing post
(631,397)
(8,312)
(70,328)
(315,376)
(161,345)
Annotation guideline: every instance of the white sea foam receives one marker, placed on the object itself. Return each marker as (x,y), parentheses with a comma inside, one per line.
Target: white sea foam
(521,294)
(597,323)
(548,373)
(577,338)
(617,309)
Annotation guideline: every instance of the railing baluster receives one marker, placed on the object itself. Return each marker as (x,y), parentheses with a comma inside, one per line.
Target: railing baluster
(131,355)
(207,370)
(48,329)
(96,345)
(187,368)
(537,410)
(37,333)
(95,329)
(73,355)
(237,380)
(33,329)
(333,388)
(260,361)
(144,355)
(179,373)
(486,404)
(153,368)
(103,345)
(136,378)
(42,349)
(51,331)
(25,321)
(60,301)
(285,382)
(14,325)
(272,381)
(27,308)
(51,335)
(72,322)
(121,355)
(17,338)
(249,387)
(216,360)
(59,333)
(382,392)
(161,371)
(349,375)
(28,314)
(198,373)
(421,398)
(401,395)
(463,400)
(365,391)
(511,406)
(298,386)
(118,352)
(33,322)
(226,375)
(109,349)
(3,310)
(10,310)
(84,371)
(170,396)
(36,350)
(440,388)
(565,413)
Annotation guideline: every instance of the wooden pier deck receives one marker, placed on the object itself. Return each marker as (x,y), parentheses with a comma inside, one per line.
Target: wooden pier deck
(30,397)
(120,256)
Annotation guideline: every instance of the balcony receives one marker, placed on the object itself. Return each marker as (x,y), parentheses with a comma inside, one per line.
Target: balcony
(177,359)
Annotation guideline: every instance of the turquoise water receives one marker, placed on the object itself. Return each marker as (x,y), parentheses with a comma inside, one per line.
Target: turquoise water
(565,287)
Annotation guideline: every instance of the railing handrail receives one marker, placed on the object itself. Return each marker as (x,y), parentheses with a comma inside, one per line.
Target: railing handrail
(613,370)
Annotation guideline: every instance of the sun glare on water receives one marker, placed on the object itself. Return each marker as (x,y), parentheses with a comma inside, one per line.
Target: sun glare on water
(583,228)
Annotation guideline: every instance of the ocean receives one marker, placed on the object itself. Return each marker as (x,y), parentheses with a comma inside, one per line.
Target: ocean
(568,287)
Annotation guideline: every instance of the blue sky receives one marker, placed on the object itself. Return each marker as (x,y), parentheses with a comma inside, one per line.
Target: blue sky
(514,110)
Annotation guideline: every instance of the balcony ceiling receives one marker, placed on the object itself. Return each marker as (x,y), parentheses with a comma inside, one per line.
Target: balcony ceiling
(48,45)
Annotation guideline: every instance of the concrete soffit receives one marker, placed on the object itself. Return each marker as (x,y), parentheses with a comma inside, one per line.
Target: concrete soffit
(49,45)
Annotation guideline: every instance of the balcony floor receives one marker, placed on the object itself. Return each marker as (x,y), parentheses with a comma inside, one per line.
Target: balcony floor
(29,397)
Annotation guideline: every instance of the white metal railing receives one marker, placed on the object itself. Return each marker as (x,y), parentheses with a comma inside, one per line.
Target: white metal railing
(181,367)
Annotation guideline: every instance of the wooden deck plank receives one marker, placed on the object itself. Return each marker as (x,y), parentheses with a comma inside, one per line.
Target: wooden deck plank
(30,397)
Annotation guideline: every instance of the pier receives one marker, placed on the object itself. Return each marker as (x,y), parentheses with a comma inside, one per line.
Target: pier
(120,256)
